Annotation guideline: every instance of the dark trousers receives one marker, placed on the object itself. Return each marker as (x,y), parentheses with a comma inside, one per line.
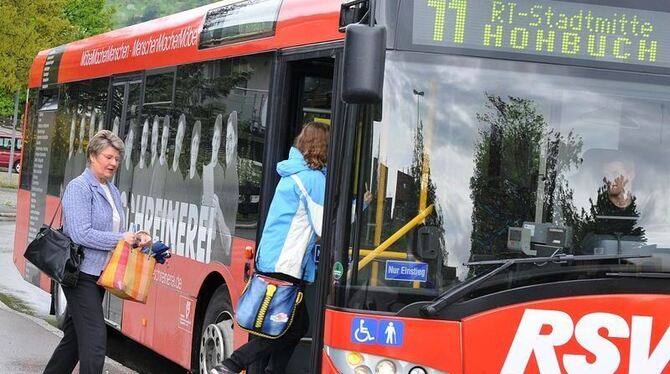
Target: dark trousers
(272,354)
(85,333)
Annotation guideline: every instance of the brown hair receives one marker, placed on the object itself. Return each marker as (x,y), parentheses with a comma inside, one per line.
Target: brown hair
(313,144)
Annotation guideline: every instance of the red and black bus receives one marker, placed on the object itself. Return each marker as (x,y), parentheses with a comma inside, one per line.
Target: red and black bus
(516,151)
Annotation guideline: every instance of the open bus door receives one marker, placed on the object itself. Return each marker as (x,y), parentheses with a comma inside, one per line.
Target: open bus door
(124,108)
(304,91)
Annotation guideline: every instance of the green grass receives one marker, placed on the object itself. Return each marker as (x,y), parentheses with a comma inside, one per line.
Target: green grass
(7,182)
(52,321)
(16,304)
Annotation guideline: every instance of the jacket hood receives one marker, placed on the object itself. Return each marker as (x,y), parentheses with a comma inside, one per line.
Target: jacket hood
(294,164)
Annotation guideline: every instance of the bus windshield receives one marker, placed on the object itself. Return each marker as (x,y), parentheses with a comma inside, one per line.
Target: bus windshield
(480,160)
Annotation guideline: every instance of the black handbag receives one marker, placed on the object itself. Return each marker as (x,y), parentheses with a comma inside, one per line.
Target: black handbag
(55,254)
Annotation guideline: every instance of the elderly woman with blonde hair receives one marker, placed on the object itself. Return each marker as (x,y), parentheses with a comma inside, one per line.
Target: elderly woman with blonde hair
(93,217)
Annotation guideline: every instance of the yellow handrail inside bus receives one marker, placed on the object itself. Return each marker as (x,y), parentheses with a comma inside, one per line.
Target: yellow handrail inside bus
(394,238)
(386,255)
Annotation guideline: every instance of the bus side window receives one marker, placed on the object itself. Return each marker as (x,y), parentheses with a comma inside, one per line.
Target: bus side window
(222,104)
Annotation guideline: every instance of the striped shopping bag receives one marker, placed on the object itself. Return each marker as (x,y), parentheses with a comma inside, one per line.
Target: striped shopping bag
(128,273)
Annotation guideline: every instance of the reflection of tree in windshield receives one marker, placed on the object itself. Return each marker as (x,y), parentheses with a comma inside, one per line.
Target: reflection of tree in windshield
(507,170)
(201,95)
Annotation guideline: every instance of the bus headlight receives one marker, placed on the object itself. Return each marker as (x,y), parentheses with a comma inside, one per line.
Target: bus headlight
(354,358)
(385,367)
(362,370)
(418,370)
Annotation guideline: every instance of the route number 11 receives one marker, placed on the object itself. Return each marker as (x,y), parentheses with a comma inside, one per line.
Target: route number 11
(461,8)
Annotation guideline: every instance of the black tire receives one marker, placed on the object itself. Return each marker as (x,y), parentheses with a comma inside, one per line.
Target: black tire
(60,305)
(17,167)
(216,337)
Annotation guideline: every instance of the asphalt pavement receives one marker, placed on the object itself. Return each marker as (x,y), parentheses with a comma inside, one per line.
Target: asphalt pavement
(26,342)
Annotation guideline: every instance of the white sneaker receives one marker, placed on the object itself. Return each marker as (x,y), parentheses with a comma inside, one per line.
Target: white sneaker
(220,369)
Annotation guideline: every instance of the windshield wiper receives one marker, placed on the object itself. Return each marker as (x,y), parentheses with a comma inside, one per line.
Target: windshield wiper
(639,275)
(457,293)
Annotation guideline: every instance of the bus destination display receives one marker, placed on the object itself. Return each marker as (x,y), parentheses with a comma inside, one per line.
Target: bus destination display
(546,28)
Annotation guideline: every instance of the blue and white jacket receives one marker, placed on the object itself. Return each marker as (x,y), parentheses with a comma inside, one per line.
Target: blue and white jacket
(294,220)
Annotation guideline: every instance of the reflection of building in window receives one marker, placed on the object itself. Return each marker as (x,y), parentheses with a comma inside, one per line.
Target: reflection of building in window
(402,204)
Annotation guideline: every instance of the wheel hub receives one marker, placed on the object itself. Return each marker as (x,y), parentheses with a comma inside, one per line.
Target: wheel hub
(216,344)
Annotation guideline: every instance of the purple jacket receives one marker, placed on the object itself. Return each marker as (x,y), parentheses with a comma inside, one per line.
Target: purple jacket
(87,220)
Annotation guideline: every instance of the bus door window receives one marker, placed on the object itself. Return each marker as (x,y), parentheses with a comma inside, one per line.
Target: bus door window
(125,110)
(314,86)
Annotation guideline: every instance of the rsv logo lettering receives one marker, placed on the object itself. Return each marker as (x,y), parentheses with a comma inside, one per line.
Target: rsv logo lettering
(529,339)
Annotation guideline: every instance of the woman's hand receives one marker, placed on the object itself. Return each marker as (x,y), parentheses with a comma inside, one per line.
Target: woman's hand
(129,237)
(142,239)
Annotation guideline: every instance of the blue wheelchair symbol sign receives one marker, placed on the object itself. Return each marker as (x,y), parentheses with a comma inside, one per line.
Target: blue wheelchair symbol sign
(391,332)
(364,330)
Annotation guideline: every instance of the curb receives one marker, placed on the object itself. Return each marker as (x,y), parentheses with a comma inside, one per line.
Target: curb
(38,321)
(57,332)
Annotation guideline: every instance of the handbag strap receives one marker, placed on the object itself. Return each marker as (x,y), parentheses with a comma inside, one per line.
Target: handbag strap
(309,198)
(56,212)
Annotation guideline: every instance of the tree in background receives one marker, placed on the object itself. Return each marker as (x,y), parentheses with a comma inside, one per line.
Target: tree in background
(89,17)
(27,27)
(130,12)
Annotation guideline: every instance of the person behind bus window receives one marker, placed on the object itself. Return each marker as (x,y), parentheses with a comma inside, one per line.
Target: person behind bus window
(213,177)
(174,190)
(130,140)
(614,214)
(179,139)
(125,178)
(79,158)
(142,163)
(69,172)
(142,173)
(231,185)
(73,129)
(160,169)
(115,126)
(616,199)
(154,140)
(91,126)
(282,252)
(195,146)
(93,218)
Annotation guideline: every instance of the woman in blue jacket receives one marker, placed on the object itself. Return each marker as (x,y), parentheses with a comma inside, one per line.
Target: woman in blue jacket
(286,249)
(93,217)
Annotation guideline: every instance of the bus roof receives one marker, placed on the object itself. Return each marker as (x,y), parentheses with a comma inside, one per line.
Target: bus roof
(174,40)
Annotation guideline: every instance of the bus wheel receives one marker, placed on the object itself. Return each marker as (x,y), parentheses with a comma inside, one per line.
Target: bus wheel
(216,342)
(17,167)
(60,305)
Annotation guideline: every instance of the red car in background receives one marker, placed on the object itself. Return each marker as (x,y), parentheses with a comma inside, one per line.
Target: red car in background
(6,148)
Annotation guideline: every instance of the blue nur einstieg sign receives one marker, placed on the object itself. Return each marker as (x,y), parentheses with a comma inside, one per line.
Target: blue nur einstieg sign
(373,331)
(408,271)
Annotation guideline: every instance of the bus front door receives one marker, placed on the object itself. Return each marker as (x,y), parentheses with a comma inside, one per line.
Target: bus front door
(124,109)
(304,94)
